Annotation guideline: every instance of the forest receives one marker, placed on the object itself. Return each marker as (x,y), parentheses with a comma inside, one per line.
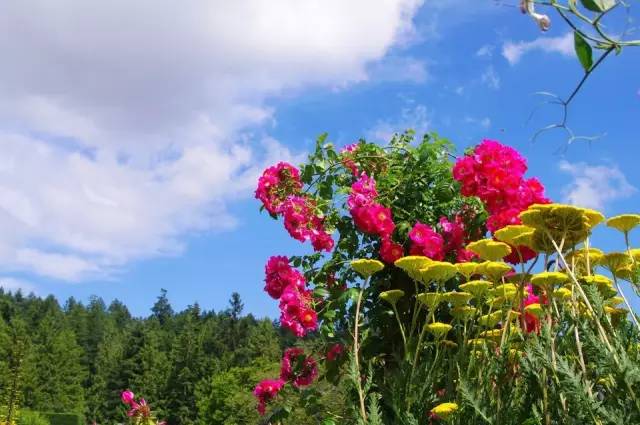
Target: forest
(191,366)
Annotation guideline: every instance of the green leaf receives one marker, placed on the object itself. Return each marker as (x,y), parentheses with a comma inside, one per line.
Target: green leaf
(583,50)
(321,292)
(598,5)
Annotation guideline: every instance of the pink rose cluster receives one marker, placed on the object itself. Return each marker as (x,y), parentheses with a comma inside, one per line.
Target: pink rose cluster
(373,218)
(296,368)
(495,173)
(347,154)
(451,240)
(284,283)
(280,191)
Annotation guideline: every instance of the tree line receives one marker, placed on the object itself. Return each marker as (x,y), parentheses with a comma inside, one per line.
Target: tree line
(192,366)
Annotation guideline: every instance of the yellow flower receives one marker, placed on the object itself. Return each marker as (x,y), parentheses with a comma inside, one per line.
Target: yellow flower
(467,269)
(496,269)
(458,298)
(596,279)
(412,264)
(627,272)
(430,299)
(562,294)
(515,354)
(464,312)
(579,257)
(444,410)
(439,329)
(573,224)
(549,279)
(437,271)
(366,267)
(593,217)
(614,301)
(490,250)
(624,222)
(479,342)
(496,302)
(514,234)
(507,290)
(493,334)
(518,278)
(535,309)
(475,287)
(616,260)
(490,320)
(392,296)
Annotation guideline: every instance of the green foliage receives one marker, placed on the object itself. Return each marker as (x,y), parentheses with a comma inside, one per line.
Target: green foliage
(583,50)
(28,417)
(64,418)
(75,361)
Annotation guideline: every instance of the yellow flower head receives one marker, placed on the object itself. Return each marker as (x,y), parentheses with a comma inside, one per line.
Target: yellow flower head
(497,302)
(514,234)
(624,222)
(616,260)
(458,298)
(593,217)
(490,320)
(496,269)
(507,290)
(464,312)
(467,269)
(560,221)
(562,294)
(518,278)
(366,267)
(489,250)
(614,301)
(392,296)
(492,334)
(549,279)
(439,271)
(579,257)
(430,299)
(479,342)
(444,410)
(596,279)
(475,287)
(412,264)
(534,309)
(627,272)
(439,329)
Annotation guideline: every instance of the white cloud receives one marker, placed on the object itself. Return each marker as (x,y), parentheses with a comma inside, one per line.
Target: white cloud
(513,52)
(490,78)
(12,284)
(399,68)
(594,186)
(485,122)
(416,118)
(125,126)
(485,51)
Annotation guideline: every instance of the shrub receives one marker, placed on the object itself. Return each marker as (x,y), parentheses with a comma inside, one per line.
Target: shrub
(32,418)
(425,319)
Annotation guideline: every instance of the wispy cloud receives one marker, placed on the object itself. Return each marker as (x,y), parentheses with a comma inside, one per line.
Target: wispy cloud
(415,117)
(485,51)
(490,78)
(13,285)
(513,51)
(399,68)
(594,186)
(485,122)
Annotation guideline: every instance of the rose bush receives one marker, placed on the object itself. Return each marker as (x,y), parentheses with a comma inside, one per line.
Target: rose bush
(409,306)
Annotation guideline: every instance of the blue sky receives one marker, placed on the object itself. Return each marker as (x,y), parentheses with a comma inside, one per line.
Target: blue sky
(130,167)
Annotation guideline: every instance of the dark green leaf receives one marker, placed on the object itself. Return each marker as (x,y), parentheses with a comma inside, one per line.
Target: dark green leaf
(598,5)
(583,50)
